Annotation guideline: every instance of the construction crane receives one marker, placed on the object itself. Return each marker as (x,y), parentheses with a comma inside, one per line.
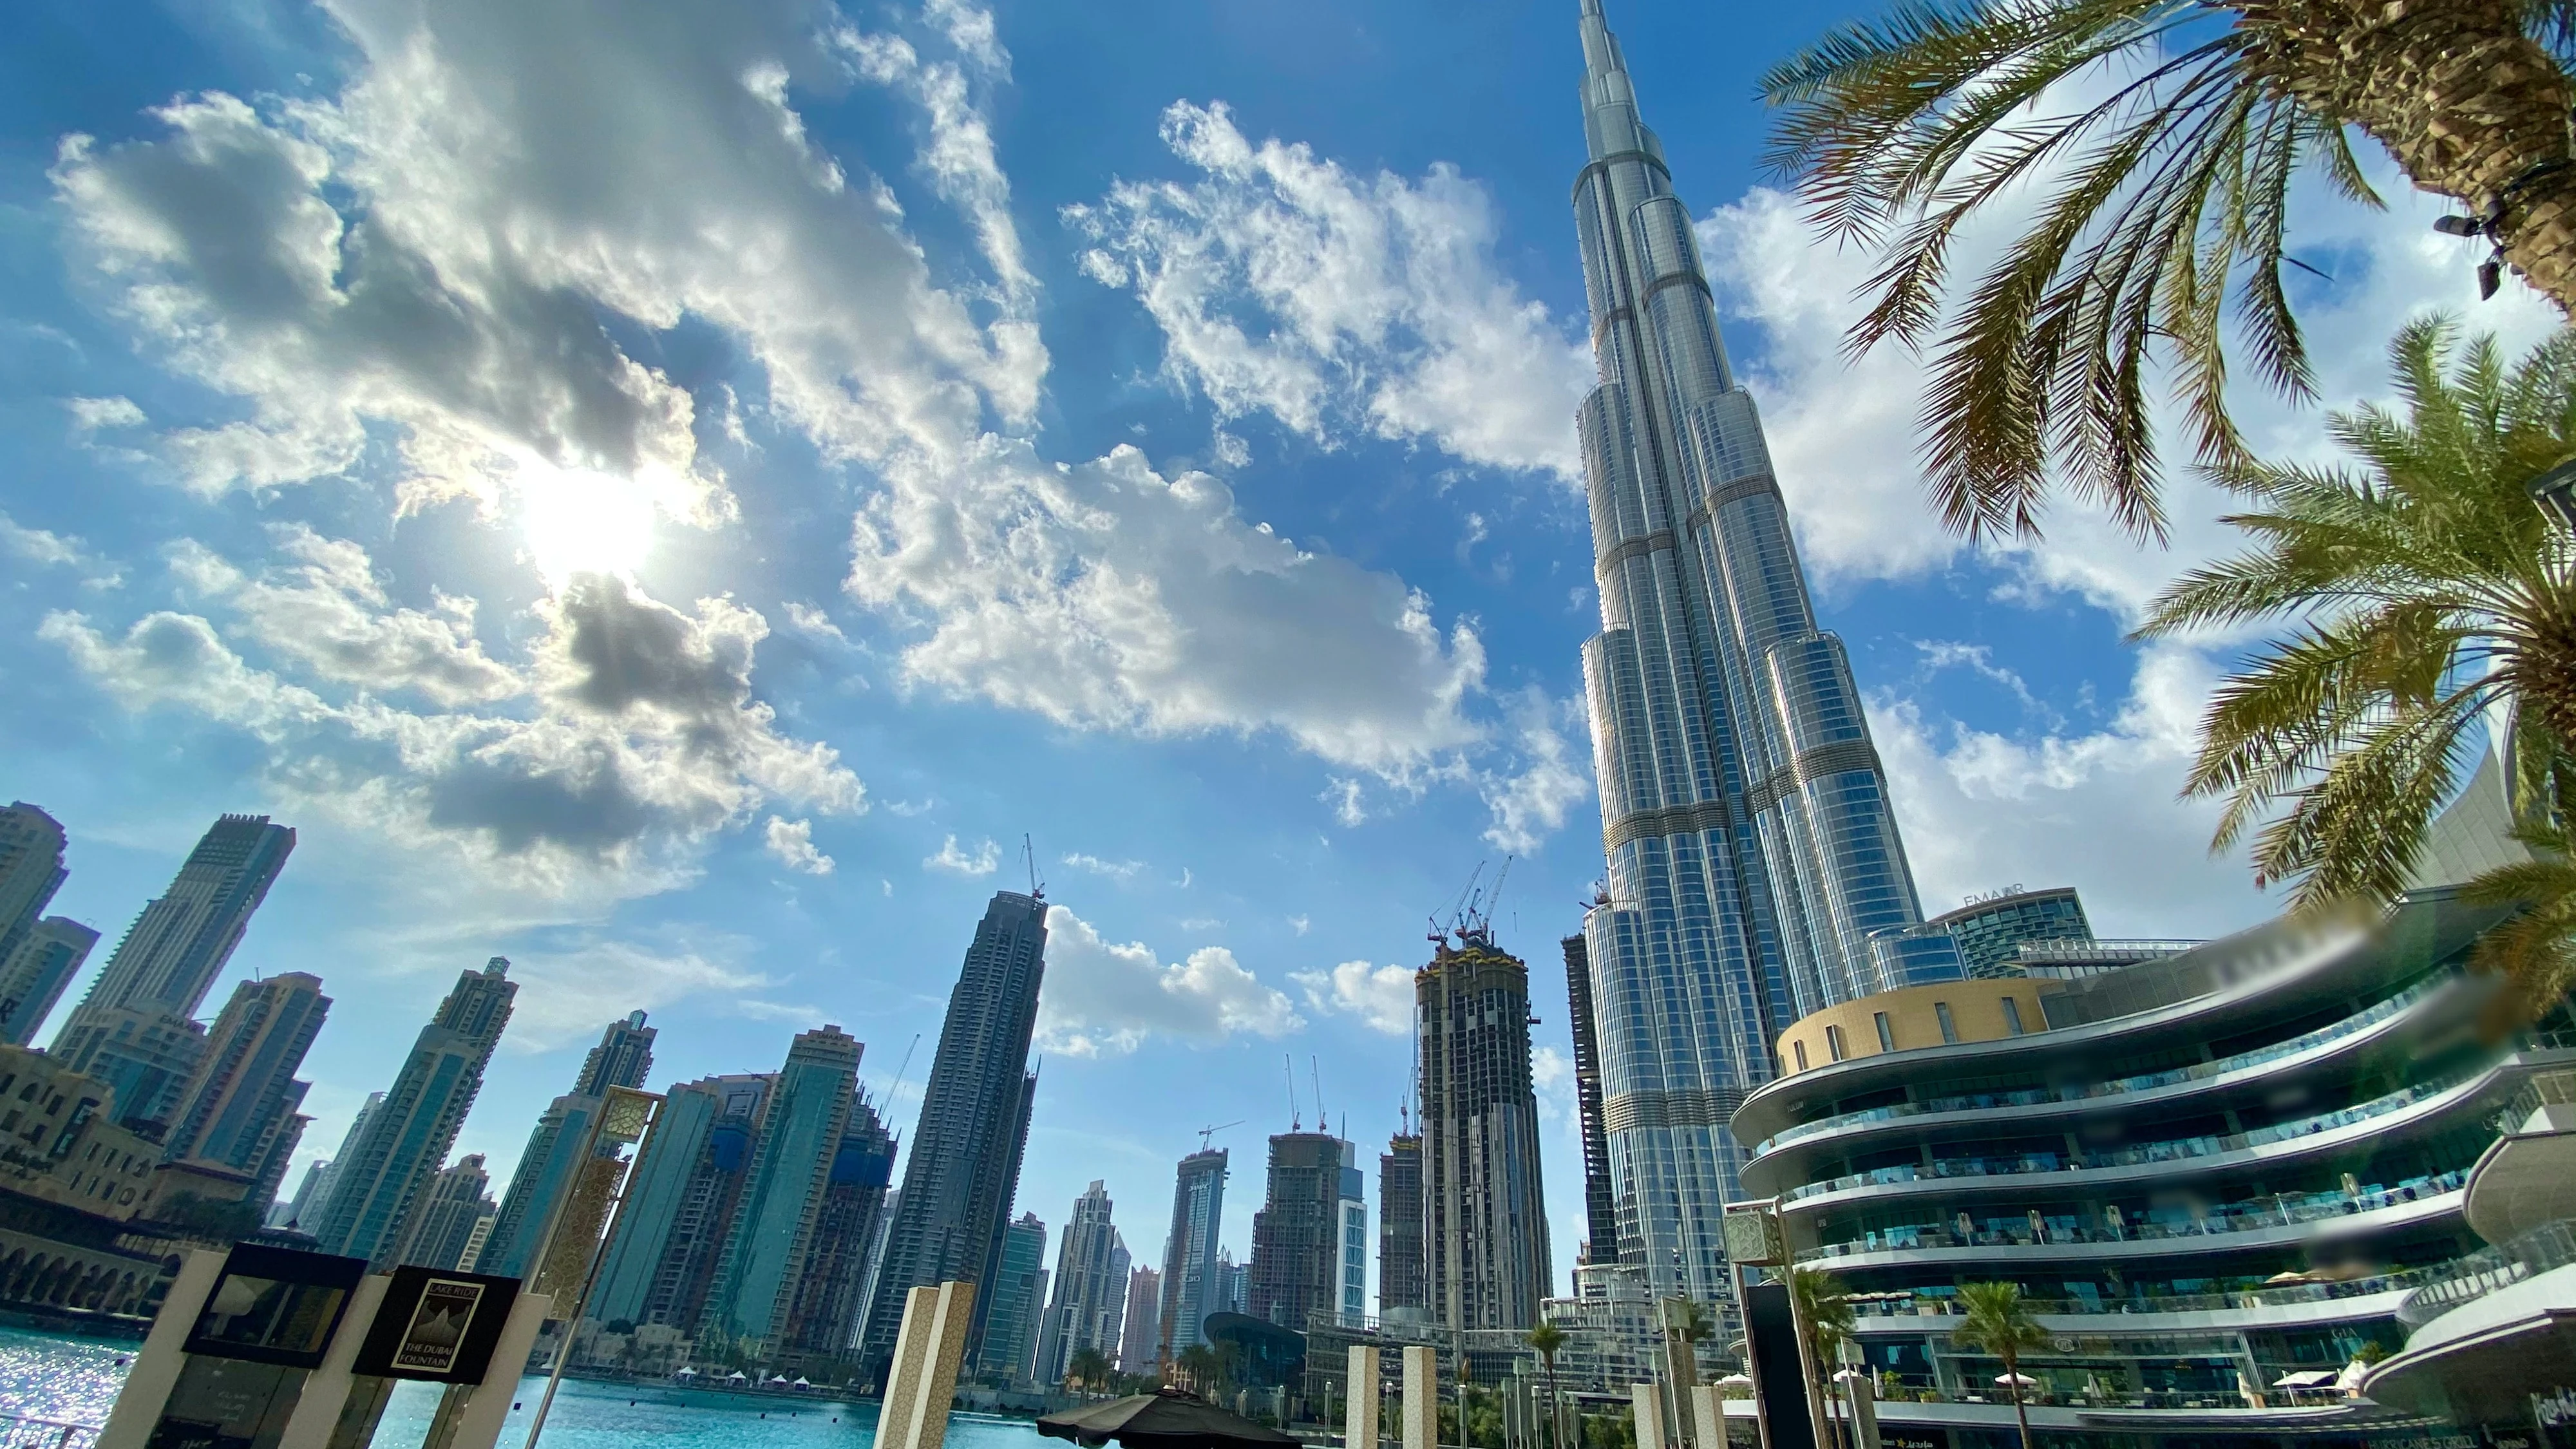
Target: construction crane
(1471,915)
(1206,1132)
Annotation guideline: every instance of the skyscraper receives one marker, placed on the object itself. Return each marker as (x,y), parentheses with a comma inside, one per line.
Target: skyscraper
(459,1198)
(681,1202)
(38,953)
(1600,1198)
(1090,1287)
(772,1239)
(1351,1243)
(1296,1237)
(1403,1269)
(1190,1287)
(1484,1215)
(1755,872)
(237,1116)
(824,1316)
(379,1177)
(547,1170)
(965,1162)
(134,1029)
(1019,1294)
(1143,1332)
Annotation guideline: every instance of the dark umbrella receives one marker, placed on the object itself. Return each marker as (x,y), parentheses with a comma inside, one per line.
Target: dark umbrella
(1164,1419)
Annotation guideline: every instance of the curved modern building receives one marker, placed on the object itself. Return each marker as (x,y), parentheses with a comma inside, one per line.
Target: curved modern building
(2218,1176)
(1755,873)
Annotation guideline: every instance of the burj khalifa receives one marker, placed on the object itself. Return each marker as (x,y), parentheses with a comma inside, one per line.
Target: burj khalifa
(1755,874)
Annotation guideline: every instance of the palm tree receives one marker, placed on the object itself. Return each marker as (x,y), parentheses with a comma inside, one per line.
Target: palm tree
(2429,599)
(1546,1339)
(1200,1365)
(2163,136)
(1088,1367)
(1825,1320)
(1999,1323)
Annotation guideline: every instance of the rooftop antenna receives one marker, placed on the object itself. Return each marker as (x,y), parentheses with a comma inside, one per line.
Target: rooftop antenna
(1206,1132)
(1029,856)
(1289,1064)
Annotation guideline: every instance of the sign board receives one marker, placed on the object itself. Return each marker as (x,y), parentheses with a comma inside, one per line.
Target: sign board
(436,1326)
(1752,1235)
(274,1306)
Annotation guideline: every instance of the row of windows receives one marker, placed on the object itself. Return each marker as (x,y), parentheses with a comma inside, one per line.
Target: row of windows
(1886,1028)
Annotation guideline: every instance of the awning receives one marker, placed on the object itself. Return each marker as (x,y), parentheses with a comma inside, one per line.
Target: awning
(2309,1379)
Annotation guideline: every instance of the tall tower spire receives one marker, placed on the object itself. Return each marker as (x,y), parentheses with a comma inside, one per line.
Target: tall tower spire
(1755,873)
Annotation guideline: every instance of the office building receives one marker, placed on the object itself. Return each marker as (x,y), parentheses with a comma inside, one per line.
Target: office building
(379,1177)
(1019,1298)
(1613,1337)
(1295,1272)
(678,1217)
(965,1161)
(549,1168)
(1190,1288)
(1090,1288)
(34,971)
(1990,929)
(134,1029)
(772,1239)
(1484,1215)
(1600,1199)
(823,1316)
(2218,1178)
(1403,1265)
(457,1205)
(1233,1286)
(1142,1335)
(317,1195)
(237,1117)
(1755,873)
(31,869)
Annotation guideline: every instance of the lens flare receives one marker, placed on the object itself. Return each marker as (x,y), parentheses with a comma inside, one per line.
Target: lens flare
(579,522)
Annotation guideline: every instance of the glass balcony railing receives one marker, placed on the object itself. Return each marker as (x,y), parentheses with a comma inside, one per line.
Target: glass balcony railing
(2551,1245)
(2042,1096)
(1943,1303)
(2170,1150)
(2252,1215)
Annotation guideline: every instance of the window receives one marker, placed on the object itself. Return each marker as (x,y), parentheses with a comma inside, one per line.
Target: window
(1886,1031)
(1834,1042)
(1949,1024)
(2012,1016)
(1800,1048)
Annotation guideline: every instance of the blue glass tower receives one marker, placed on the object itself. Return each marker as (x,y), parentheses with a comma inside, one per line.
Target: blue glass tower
(1755,873)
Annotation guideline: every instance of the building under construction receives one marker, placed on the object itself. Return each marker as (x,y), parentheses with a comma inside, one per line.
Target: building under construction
(1485,1221)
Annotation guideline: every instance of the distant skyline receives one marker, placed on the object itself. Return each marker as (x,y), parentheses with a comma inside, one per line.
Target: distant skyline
(1147,430)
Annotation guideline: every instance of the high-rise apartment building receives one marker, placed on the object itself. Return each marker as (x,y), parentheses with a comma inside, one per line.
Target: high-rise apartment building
(316,1195)
(380,1176)
(1295,1271)
(1600,1199)
(1403,1269)
(1991,929)
(1019,1297)
(549,1168)
(681,1200)
(38,953)
(1090,1287)
(1142,1335)
(772,1240)
(974,1126)
(1755,873)
(237,1117)
(457,1204)
(1190,1254)
(1233,1285)
(823,1317)
(1484,1213)
(134,1030)
(1350,1264)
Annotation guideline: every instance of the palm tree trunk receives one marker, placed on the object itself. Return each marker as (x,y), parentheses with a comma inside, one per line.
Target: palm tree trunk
(2021,1414)
(2469,106)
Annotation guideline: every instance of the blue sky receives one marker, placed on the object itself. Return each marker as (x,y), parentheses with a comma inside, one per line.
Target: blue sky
(1141,428)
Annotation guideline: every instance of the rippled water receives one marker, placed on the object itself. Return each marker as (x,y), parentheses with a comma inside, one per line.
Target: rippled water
(46,1376)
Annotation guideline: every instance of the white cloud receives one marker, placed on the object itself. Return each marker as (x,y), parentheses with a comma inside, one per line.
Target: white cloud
(1301,924)
(1381,997)
(562,993)
(792,841)
(103,414)
(986,859)
(1288,285)
(1105,999)
(806,619)
(328,612)
(1344,796)
(1118,870)
(1530,802)
(41,547)
(1106,596)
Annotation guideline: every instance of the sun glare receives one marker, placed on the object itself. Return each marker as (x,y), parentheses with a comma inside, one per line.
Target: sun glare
(577,522)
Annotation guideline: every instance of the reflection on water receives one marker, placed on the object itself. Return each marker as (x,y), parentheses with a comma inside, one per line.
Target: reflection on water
(46,1376)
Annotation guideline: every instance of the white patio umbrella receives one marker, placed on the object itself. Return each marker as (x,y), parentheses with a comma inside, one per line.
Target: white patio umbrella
(685,1372)
(1736,1381)
(2025,1380)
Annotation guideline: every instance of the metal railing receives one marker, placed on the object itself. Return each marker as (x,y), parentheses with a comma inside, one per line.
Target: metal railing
(24,1433)
(2146,1082)
(1940,1305)
(2551,1245)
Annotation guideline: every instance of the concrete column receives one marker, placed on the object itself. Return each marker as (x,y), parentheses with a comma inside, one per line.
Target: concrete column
(317,1409)
(924,1376)
(1421,1397)
(1648,1401)
(156,1368)
(1708,1416)
(478,1425)
(1360,1400)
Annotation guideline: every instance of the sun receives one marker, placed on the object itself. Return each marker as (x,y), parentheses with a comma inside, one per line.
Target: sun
(575,521)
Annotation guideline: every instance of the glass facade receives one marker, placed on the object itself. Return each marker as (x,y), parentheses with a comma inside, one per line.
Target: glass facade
(1755,874)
